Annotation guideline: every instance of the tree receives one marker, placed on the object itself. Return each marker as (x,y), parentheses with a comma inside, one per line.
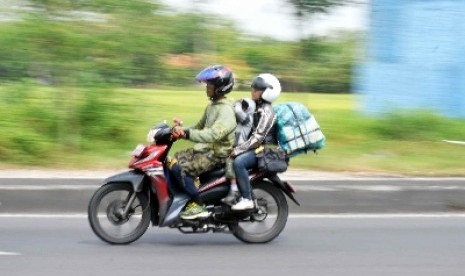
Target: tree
(309,7)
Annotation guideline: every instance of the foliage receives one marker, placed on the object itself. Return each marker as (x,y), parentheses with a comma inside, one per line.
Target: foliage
(96,127)
(136,43)
(66,67)
(43,123)
(417,126)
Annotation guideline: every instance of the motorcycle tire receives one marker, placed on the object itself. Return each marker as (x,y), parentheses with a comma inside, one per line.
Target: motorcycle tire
(102,220)
(268,197)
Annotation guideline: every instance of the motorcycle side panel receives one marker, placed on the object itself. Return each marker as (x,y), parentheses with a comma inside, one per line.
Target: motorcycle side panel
(133,177)
(172,215)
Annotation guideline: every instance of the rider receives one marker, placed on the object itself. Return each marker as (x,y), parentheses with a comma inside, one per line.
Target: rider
(266,88)
(213,134)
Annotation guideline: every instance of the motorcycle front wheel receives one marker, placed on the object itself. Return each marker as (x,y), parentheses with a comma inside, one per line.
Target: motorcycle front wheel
(268,221)
(106,214)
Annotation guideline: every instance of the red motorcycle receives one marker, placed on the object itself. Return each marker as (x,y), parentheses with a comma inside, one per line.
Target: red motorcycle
(121,210)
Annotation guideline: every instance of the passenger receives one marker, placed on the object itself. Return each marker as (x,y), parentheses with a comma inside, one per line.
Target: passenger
(266,88)
(244,109)
(214,135)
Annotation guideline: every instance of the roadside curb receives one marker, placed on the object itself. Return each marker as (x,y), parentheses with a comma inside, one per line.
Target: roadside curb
(64,193)
(291,174)
(102,174)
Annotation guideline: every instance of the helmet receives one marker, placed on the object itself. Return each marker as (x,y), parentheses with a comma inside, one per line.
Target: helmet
(269,84)
(219,76)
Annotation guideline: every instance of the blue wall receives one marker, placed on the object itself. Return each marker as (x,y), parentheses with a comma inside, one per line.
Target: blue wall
(415,57)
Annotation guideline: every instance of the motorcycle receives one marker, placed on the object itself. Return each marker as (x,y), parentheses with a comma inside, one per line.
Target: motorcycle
(121,210)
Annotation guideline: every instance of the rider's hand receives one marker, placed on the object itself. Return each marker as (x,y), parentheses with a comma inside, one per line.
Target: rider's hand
(177,133)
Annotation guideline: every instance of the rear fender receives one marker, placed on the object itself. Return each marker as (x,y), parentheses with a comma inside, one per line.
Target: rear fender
(135,178)
(284,186)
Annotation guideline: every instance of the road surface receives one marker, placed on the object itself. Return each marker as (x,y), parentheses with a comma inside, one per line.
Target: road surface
(310,245)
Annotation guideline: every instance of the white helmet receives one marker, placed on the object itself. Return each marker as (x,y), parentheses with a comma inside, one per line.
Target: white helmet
(269,84)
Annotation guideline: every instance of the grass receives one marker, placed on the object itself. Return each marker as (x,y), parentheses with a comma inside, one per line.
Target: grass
(400,143)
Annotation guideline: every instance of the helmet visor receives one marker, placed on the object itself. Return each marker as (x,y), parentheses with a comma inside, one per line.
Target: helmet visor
(259,83)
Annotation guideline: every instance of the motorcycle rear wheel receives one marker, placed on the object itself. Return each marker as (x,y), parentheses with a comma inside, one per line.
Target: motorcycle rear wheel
(266,225)
(104,214)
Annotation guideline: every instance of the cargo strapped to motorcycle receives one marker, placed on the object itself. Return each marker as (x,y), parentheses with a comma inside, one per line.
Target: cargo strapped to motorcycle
(297,129)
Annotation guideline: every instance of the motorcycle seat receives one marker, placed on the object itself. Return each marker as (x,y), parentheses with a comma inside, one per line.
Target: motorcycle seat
(212,175)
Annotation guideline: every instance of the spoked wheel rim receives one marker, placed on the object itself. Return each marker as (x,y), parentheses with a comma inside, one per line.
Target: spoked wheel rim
(109,214)
(115,213)
(267,222)
(266,216)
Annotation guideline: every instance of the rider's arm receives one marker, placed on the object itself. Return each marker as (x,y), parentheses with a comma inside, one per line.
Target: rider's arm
(183,132)
(224,124)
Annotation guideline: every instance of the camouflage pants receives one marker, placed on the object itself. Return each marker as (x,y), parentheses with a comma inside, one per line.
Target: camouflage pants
(230,174)
(196,163)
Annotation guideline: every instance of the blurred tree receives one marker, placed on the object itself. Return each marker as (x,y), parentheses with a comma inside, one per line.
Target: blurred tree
(322,72)
(137,43)
(309,7)
(107,6)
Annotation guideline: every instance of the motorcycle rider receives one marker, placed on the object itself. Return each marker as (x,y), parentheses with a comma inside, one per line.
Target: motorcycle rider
(266,88)
(213,134)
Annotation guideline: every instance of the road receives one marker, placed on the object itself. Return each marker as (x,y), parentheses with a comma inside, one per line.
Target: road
(310,245)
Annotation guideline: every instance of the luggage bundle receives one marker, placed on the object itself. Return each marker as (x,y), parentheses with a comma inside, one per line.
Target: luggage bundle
(297,129)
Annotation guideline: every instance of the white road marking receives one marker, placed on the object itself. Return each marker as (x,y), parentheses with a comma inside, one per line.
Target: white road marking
(374,216)
(4,253)
(377,188)
(292,216)
(47,187)
(43,216)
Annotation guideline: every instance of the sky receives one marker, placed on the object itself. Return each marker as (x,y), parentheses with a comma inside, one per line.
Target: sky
(274,17)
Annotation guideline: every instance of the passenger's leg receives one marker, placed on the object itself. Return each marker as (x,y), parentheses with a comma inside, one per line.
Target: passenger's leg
(233,194)
(241,165)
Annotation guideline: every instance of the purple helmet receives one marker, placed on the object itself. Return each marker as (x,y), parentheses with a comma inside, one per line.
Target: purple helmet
(219,76)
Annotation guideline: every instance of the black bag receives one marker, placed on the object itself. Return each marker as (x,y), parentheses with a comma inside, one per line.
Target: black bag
(272,160)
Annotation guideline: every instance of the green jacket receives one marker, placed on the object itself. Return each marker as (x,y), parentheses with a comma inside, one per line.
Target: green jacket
(215,130)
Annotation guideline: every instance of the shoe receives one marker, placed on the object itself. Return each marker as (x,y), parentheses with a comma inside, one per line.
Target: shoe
(231,198)
(194,210)
(243,204)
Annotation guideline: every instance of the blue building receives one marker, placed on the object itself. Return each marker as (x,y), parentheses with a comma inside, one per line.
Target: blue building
(415,57)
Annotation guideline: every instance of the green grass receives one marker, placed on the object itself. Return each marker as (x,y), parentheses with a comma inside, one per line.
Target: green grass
(400,143)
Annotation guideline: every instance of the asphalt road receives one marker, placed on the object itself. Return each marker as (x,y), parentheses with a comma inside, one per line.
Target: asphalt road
(363,195)
(337,245)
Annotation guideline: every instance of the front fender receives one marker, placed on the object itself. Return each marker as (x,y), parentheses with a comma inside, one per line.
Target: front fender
(136,178)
